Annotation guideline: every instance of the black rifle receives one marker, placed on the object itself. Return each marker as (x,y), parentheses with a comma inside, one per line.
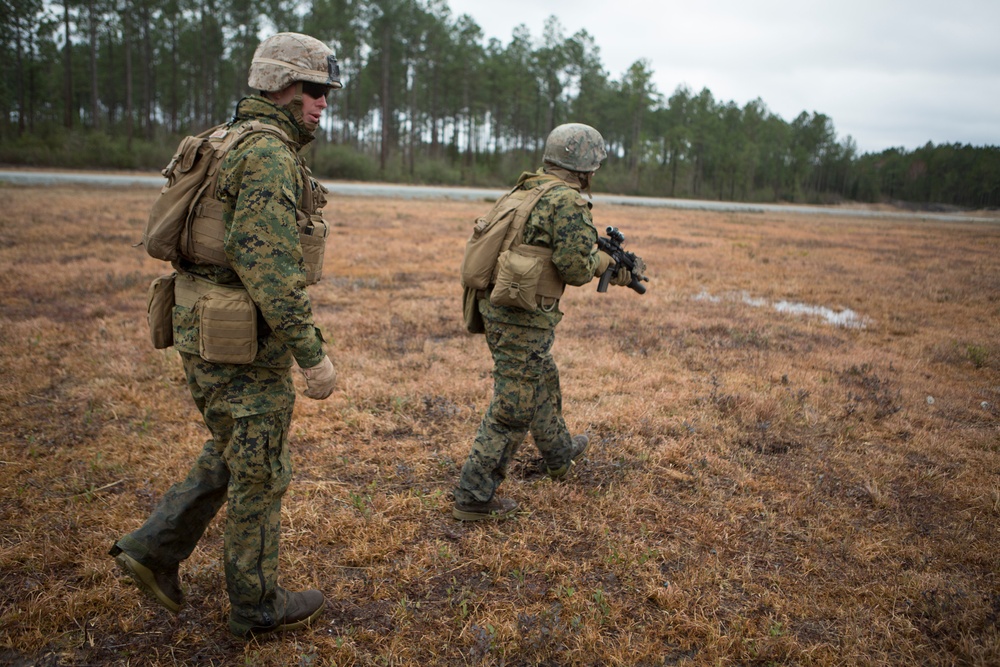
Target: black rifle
(622,258)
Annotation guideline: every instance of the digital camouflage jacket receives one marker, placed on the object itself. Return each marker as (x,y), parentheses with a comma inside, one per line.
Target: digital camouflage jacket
(260,182)
(561,221)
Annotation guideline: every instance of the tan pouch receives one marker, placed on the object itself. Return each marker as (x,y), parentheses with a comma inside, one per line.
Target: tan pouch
(474,323)
(205,240)
(159,311)
(517,280)
(227,323)
(312,238)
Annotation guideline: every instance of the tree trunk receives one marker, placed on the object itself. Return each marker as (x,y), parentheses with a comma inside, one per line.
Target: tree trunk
(127,43)
(110,82)
(434,114)
(201,101)
(386,79)
(95,107)
(21,103)
(636,153)
(673,173)
(174,103)
(147,72)
(68,76)
(414,128)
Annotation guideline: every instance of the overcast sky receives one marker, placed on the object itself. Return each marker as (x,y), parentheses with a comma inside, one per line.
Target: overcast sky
(887,72)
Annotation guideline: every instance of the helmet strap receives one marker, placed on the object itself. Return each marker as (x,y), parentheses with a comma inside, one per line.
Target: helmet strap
(295,107)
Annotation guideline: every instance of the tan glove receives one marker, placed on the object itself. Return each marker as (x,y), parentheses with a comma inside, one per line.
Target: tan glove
(603,262)
(621,277)
(320,379)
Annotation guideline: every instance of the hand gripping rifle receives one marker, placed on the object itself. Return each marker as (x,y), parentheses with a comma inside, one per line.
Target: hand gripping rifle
(613,246)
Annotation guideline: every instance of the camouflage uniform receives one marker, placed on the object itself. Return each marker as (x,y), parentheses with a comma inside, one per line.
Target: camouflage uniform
(526,394)
(247,408)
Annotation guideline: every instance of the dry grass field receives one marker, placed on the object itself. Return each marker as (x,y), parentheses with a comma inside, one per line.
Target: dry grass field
(772,483)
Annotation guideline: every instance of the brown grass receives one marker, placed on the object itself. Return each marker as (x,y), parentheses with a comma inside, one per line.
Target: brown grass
(766,488)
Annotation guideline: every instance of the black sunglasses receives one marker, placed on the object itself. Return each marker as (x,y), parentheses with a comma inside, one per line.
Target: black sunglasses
(315,90)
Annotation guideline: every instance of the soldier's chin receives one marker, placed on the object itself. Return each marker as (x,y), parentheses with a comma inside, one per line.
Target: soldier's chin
(311,125)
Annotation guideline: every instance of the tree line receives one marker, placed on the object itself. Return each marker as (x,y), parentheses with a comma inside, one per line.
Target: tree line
(427,98)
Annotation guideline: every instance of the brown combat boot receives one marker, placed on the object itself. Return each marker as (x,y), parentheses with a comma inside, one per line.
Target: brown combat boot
(294,610)
(163,587)
(581,443)
(496,508)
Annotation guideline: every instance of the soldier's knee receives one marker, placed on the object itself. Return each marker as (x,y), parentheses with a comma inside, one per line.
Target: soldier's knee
(515,411)
(257,452)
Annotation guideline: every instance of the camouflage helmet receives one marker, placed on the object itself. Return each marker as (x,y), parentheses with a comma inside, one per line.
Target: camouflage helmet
(576,147)
(288,57)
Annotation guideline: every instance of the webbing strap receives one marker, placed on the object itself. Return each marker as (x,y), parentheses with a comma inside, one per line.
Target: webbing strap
(188,288)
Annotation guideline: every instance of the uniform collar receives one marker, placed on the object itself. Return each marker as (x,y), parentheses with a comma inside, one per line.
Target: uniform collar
(256,107)
(571,178)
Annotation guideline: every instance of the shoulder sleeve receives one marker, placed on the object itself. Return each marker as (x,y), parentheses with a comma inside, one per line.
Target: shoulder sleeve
(574,238)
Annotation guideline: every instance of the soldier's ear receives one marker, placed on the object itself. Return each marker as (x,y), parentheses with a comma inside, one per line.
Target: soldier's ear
(283,96)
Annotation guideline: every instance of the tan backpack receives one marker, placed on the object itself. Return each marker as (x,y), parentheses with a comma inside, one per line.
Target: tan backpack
(496,231)
(191,174)
(494,235)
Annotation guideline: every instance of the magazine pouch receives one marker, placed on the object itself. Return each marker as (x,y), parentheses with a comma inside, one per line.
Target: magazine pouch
(159,311)
(227,321)
(312,237)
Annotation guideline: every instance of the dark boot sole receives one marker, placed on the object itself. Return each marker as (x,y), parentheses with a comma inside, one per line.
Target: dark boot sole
(556,477)
(144,579)
(253,633)
(463,515)
(305,622)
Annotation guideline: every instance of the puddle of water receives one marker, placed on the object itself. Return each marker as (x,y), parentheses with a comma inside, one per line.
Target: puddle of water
(846,318)
(705,296)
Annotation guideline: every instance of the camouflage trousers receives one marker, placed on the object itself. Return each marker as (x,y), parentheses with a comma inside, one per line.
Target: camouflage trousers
(248,410)
(526,398)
